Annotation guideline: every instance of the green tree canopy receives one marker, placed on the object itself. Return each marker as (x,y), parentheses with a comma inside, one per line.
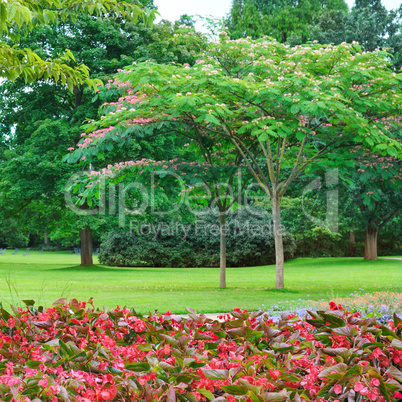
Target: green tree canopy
(279,19)
(369,23)
(18,18)
(40,120)
(283,108)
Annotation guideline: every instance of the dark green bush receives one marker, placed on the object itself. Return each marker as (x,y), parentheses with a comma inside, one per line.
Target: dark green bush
(249,241)
(12,236)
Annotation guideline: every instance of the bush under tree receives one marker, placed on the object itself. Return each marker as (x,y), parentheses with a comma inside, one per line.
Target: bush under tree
(250,242)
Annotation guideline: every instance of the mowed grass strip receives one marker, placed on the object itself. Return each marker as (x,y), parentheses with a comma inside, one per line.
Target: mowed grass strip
(51,275)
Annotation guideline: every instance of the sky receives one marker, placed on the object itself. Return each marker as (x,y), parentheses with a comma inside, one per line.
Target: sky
(172,9)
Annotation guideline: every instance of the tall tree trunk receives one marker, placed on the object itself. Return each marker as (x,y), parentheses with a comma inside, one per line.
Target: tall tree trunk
(370,243)
(86,246)
(352,244)
(276,217)
(222,227)
(46,238)
(78,94)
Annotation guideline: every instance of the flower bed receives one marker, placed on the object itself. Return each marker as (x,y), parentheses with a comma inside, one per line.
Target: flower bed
(382,304)
(71,352)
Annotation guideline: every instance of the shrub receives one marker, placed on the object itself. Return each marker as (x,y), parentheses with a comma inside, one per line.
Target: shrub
(123,249)
(320,242)
(249,243)
(74,352)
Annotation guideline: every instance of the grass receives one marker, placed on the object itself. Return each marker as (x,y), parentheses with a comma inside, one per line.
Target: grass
(49,276)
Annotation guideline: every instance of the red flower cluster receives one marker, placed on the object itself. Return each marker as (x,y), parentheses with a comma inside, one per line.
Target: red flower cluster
(72,351)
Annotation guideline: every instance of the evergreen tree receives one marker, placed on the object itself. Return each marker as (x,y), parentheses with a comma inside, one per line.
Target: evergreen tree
(280,19)
(40,121)
(368,23)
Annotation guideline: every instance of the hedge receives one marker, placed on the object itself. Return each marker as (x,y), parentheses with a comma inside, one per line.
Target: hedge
(164,244)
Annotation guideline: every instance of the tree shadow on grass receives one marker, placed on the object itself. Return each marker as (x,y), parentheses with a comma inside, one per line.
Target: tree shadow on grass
(285,290)
(102,268)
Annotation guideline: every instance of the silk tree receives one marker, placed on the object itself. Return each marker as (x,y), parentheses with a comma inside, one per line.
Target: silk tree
(207,171)
(212,176)
(282,108)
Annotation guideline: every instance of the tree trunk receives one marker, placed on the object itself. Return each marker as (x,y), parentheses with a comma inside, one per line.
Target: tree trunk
(276,217)
(352,244)
(46,238)
(370,243)
(222,227)
(86,246)
(78,94)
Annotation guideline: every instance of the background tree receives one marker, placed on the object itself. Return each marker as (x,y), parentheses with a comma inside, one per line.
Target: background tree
(376,186)
(40,121)
(20,17)
(305,209)
(368,22)
(187,20)
(279,19)
(329,27)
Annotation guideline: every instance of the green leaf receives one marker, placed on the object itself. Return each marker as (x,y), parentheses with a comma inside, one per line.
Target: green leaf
(275,397)
(294,109)
(235,389)
(332,319)
(387,332)
(33,363)
(5,314)
(384,391)
(343,352)
(196,364)
(395,373)
(206,393)
(138,367)
(29,302)
(52,342)
(33,390)
(65,349)
(254,397)
(114,370)
(338,368)
(318,323)
(15,311)
(70,84)
(324,391)
(355,370)
(396,343)
(345,331)
(3,13)
(12,10)
(397,320)
(216,374)
(191,397)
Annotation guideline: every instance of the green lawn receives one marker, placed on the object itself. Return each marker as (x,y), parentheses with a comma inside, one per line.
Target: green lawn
(52,275)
